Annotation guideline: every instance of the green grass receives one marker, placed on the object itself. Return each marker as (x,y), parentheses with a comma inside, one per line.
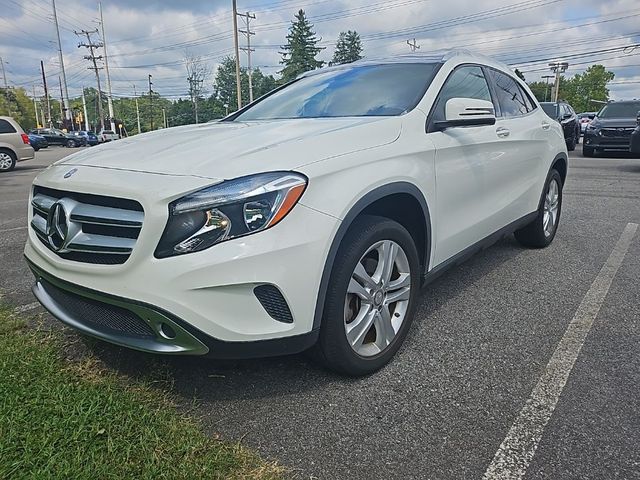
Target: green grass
(64,419)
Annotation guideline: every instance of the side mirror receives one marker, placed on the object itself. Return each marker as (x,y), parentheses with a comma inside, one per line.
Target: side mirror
(467,112)
(566,116)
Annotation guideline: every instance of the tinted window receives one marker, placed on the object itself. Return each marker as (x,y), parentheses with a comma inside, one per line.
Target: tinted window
(620,110)
(6,127)
(464,82)
(367,90)
(550,109)
(510,97)
(529,103)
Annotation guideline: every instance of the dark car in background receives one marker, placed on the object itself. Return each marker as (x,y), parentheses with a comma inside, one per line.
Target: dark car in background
(566,116)
(37,141)
(612,128)
(585,118)
(634,146)
(90,138)
(58,137)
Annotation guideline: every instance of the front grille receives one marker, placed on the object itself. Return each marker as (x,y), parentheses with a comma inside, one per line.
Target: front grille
(616,132)
(273,302)
(84,227)
(103,317)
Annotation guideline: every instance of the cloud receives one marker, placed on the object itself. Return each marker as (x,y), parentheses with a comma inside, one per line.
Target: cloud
(152,37)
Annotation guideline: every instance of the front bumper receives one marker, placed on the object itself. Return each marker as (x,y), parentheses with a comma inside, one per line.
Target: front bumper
(635,141)
(210,294)
(599,142)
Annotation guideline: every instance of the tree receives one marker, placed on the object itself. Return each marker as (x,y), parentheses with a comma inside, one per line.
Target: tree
(541,90)
(300,52)
(348,48)
(15,103)
(583,88)
(224,84)
(197,73)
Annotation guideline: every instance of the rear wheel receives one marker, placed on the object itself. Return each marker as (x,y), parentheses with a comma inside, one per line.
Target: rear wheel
(371,297)
(7,160)
(541,232)
(71,143)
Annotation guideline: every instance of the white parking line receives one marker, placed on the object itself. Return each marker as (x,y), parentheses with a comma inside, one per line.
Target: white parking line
(516,451)
(26,308)
(13,229)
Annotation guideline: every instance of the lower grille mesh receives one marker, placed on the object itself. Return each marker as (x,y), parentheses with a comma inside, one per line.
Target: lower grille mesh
(98,315)
(273,302)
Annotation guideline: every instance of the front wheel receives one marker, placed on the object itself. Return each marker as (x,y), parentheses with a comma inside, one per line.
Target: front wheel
(8,161)
(540,232)
(71,143)
(371,297)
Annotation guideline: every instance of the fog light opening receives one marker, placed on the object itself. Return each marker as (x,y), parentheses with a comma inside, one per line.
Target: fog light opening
(166,331)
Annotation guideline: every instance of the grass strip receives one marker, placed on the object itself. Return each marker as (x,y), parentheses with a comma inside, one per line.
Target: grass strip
(63,419)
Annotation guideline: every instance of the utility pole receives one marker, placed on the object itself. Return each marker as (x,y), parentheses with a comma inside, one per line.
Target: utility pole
(84,111)
(557,68)
(413,45)
(247,17)
(164,117)
(92,56)
(4,75)
(46,94)
(546,87)
(62,111)
(194,91)
(65,98)
(35,106)
(137,109)
(235,43)
(151,101)
(106,67)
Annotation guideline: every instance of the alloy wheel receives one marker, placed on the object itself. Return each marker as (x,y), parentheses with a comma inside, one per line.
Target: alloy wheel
(377,298)
(551,201)
(5,161)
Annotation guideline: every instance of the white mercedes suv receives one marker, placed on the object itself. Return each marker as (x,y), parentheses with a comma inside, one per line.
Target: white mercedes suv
(309,219)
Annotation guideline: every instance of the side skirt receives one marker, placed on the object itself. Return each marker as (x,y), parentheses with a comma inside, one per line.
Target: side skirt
(470,251)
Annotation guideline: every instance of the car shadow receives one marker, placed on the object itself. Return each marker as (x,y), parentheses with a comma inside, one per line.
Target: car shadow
(197,378)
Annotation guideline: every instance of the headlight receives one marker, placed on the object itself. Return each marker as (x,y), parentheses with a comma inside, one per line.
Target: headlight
(231,209)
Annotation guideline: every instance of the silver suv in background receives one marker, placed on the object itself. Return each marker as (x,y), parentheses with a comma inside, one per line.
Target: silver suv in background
(14,144)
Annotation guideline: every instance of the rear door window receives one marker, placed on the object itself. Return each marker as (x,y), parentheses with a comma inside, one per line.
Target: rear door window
(465,82)
(6,127)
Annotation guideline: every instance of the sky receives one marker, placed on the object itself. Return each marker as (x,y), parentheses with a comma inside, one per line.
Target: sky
(154,37)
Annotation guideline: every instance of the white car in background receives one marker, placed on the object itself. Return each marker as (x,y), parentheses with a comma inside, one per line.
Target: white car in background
(309,219)
(107,136)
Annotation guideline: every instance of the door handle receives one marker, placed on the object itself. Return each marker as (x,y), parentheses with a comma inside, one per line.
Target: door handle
(502,132)
(545,126)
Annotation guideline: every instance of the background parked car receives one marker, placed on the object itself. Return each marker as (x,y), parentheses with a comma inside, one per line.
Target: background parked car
(58,137)
(108,135)
(612,128)
(37,141)
(563,113)
(90,138)
(584,119)
(634,147)
(14,144)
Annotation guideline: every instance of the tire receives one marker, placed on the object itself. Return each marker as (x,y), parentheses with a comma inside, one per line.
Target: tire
(587,151)
(71,143)
(35,149)
(539,233)
(8,160)
(367,238)
(571,144)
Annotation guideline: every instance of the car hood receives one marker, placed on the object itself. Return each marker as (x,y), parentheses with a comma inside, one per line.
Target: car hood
(223,150)
(615,122)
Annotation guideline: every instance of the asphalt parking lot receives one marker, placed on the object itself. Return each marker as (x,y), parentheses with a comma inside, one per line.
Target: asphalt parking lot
(475,386)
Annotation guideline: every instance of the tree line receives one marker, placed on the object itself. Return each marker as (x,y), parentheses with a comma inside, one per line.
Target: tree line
(299,55)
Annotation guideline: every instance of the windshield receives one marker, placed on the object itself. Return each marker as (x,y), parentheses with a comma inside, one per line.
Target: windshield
(355,91)
(620,110)
(550,109)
